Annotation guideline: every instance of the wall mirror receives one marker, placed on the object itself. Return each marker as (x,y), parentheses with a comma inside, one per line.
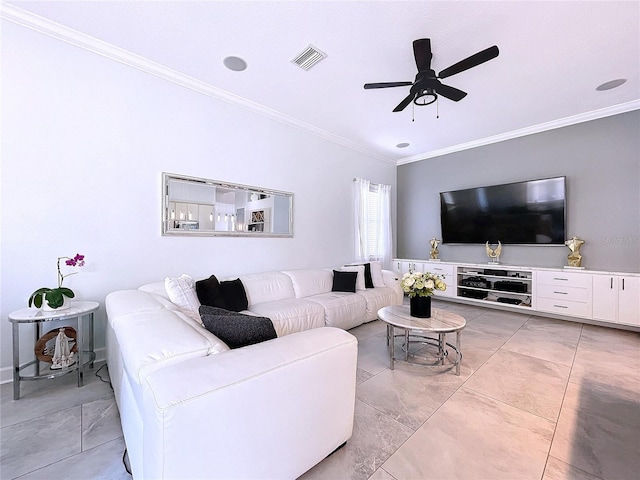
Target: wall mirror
(200,206)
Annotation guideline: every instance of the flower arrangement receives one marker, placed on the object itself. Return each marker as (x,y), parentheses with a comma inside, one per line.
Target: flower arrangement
(418,284)
(55,296)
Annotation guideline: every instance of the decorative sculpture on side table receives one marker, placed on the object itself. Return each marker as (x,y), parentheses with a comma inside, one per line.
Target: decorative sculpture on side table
(434,253)
(574,258)
(62,356)
(494,255)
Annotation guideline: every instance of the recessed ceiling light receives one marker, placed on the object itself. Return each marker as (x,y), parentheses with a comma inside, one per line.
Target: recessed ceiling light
(402,145)
(611,84)
(236,64)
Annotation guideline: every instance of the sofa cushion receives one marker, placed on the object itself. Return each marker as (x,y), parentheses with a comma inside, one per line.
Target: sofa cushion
(151,339)
(344,281)
(267,287)
(236,329)
(157,288)
(291,315)
(341,309)
(361,283)
(376,298)
(310,282)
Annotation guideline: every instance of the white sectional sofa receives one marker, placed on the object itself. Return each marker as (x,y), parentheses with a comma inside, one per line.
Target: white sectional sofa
(192,408)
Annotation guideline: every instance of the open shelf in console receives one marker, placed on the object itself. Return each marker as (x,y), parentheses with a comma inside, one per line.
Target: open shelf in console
(495,283)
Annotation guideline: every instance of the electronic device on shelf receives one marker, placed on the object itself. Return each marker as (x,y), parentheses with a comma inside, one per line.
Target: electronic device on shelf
(476,282)
(476,294)
(510,286)
(512,301)
(497,273)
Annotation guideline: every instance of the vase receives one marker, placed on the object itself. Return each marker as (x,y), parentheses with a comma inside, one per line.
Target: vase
(420,307)
(46,308)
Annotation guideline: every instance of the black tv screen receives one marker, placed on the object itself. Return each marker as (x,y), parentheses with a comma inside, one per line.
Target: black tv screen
(522,213)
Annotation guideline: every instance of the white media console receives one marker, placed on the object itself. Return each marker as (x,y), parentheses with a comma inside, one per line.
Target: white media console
(593,296)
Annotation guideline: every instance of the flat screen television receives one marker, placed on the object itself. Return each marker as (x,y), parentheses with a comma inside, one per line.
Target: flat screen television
(521,213)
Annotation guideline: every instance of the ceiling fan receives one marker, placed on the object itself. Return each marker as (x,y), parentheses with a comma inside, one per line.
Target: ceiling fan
(427,86)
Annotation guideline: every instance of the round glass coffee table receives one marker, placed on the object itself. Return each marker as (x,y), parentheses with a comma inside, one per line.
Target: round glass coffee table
(417,330)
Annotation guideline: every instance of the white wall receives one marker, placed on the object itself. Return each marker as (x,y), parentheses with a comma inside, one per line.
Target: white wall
(84,143)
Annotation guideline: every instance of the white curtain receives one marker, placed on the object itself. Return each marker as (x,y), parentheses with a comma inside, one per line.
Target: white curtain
(384,225)
(361,215)
(372,225)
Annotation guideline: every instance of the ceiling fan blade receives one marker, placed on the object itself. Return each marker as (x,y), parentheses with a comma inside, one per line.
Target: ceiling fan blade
(368,86)
(470,62)
(450,92)
(422,53)
(403,104)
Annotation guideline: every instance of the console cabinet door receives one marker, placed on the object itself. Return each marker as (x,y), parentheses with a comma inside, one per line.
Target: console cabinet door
(397,266)
(616,298)
(402,266)
(629,300)
(416,266)
(605,298)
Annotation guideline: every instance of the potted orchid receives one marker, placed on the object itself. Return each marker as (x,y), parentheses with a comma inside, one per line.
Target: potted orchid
(420,287)
(54,298)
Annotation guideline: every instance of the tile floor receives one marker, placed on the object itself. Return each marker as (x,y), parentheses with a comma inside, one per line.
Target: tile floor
(536,399)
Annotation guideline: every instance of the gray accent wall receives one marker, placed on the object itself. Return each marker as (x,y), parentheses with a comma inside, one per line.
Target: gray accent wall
(601,160)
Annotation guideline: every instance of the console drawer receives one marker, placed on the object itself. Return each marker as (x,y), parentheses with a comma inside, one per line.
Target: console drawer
(563,307)
(563,278)
(447,270)
(563,292)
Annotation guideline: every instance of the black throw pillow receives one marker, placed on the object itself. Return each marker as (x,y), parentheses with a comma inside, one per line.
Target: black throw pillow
(236,329)
(234,296)
(344,281)
(208,291)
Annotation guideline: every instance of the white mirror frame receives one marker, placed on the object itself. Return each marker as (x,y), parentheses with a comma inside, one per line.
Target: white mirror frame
(194,206)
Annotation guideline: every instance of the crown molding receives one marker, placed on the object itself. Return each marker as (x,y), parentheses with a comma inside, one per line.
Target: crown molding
(73,37)
(541,127)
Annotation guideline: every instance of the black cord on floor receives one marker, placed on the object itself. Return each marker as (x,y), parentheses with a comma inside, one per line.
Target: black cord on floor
(125,461)
(102,379)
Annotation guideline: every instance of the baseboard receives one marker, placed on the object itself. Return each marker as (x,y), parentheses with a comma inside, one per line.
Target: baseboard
(6,373)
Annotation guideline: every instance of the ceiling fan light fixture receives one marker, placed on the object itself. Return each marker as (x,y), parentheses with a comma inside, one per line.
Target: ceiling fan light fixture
(425,97)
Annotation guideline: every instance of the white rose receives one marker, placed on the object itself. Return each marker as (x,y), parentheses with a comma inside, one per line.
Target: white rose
(430,284)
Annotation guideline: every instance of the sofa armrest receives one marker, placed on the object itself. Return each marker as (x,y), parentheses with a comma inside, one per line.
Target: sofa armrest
(239,413)
(392,280)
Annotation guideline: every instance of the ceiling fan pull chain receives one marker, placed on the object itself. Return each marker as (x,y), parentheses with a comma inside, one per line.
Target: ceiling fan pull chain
(413,113)
(437,109)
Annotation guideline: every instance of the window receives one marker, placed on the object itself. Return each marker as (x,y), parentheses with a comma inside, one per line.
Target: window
(372,209)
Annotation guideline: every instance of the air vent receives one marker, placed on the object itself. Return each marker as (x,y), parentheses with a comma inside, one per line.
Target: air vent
(308,57)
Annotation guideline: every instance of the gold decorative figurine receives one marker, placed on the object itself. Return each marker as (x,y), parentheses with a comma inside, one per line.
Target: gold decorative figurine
(494,255)
(574,258)
(434,253)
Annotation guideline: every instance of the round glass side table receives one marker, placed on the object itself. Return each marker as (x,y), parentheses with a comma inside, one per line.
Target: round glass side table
(78,312)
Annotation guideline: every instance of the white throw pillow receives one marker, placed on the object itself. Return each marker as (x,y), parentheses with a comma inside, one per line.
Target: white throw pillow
(360,285)
(376,274)
(182,292)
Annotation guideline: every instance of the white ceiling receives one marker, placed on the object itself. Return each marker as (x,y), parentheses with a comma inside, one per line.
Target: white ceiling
(553,55)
